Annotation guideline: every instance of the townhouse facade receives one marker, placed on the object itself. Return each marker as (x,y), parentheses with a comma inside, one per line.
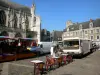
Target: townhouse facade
(87,30)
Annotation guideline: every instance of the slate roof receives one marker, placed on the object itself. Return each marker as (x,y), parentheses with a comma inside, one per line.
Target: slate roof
(96,23)
(74,27)
(13,5)
(85,25)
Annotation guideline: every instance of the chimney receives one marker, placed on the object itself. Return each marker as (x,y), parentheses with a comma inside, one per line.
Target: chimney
(91,20)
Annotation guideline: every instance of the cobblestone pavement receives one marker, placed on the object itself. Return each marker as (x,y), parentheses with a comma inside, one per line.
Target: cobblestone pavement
(89,65)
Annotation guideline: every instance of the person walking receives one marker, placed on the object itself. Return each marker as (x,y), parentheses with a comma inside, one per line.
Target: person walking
(52,53)
(59,51)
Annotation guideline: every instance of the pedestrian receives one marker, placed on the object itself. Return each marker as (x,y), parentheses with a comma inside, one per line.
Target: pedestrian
(52,51)
(59,50)
(55,51)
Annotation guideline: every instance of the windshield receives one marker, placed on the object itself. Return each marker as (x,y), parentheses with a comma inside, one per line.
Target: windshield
(71,44)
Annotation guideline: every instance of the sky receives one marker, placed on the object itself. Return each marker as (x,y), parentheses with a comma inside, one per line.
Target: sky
(55,13)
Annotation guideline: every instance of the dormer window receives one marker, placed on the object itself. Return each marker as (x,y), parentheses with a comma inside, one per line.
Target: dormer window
(80,26)
(91,25)
(67,29)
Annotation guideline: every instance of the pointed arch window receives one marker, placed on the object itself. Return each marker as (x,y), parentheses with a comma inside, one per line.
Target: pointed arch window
(27,23)
(15,20)
(18,34)
(20,22)
(34,21)
(2,18)
(9,18)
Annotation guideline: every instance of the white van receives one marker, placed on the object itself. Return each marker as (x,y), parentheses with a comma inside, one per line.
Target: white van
(76,46)
(45,46)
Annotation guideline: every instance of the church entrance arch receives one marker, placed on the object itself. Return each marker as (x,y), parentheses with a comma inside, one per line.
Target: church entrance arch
(4,33)
(18,35)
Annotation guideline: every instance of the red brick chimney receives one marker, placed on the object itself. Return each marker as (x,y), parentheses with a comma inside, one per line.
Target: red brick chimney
(91,20)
